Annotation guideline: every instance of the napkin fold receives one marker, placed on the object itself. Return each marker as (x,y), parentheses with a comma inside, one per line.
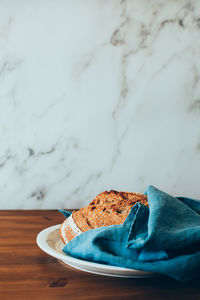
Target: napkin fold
(162,238)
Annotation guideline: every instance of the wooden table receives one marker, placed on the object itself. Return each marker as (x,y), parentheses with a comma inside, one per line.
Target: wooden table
(28,273)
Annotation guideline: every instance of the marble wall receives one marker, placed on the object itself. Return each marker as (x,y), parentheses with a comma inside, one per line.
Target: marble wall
(98,95)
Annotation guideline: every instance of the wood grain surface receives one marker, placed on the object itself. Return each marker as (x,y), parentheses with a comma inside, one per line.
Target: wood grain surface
(28,273)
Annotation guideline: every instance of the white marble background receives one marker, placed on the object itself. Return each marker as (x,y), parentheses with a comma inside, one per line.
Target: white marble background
(96,95)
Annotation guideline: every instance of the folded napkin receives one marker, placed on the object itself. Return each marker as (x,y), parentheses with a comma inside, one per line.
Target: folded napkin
(163,238)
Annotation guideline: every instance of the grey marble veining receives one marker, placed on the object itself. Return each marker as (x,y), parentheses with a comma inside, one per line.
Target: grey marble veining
(98,95)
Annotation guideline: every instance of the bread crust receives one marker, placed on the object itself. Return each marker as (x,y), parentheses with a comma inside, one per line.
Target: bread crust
(66,233)
(108,208)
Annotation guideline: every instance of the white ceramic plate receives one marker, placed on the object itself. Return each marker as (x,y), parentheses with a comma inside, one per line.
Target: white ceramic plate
(49,241)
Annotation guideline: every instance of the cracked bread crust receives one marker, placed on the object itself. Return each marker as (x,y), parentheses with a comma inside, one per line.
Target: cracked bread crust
(108,208)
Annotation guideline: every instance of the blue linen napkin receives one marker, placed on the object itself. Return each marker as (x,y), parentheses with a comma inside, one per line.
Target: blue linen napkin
(162,238)
(66,213)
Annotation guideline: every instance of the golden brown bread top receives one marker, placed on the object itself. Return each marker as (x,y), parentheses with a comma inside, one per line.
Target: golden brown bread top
(108,208)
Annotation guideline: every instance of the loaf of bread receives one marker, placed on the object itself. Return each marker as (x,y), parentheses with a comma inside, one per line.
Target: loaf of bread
(108,208)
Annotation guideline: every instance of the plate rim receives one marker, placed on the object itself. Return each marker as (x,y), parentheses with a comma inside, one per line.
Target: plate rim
(41,241)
